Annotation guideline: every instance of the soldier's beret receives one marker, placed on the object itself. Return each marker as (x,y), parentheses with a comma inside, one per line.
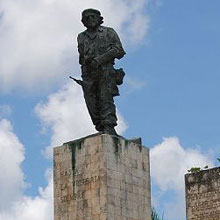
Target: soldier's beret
(89,10)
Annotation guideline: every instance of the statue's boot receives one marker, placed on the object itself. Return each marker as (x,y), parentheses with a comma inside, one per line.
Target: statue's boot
(109,130)
(99,127)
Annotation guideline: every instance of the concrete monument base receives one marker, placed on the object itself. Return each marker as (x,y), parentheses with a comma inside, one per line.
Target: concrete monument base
(102,177)
(203,195)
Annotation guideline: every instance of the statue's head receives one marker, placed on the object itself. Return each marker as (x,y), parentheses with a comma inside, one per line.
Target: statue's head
(91,18)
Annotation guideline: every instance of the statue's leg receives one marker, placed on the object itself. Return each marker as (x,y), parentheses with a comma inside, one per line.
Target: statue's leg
(107,106)
(91,99)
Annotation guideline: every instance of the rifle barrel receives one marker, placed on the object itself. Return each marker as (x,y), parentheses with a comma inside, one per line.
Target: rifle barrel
(76,80)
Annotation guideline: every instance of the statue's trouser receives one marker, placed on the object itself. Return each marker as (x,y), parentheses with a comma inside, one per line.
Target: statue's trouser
(97,88)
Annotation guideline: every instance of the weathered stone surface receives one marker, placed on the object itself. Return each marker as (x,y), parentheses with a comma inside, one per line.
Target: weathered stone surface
(102,177)
(203,195)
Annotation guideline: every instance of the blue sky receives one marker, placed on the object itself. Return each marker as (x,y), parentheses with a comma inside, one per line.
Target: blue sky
(170,97)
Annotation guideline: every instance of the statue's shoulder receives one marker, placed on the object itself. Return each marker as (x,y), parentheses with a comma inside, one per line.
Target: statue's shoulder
(81,34)
(106,29)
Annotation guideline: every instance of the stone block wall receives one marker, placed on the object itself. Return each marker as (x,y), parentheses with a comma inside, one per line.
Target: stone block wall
(102,177)
(203,195)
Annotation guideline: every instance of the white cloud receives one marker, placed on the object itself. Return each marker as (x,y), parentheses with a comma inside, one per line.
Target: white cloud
(65,113)
(13,203)
(38,38)
(169,163)
(37,208)
(11,157)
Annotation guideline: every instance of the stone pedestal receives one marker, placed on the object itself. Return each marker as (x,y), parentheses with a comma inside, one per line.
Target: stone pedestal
(102,177)
(203,195)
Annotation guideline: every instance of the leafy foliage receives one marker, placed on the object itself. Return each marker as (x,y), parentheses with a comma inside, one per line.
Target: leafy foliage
(198,169)
(194,170)
(154,215)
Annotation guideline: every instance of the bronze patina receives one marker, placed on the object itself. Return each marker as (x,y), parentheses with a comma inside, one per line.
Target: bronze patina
(98,48)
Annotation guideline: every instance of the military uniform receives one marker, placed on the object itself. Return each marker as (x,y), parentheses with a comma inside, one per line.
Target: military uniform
(99,82)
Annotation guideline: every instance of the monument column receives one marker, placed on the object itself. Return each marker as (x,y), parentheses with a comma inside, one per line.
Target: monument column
(102,177)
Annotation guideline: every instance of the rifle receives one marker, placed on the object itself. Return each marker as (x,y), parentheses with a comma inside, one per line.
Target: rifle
(78,81)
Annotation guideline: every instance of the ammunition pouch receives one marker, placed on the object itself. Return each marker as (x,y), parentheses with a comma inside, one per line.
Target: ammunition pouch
(119,76)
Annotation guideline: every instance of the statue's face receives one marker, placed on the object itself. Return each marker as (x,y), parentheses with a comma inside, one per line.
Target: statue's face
(91,20)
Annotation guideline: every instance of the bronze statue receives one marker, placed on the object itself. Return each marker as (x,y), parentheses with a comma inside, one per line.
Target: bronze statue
(98,47)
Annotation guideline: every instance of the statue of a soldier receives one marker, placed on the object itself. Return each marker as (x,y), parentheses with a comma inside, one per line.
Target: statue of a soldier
(98,47)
